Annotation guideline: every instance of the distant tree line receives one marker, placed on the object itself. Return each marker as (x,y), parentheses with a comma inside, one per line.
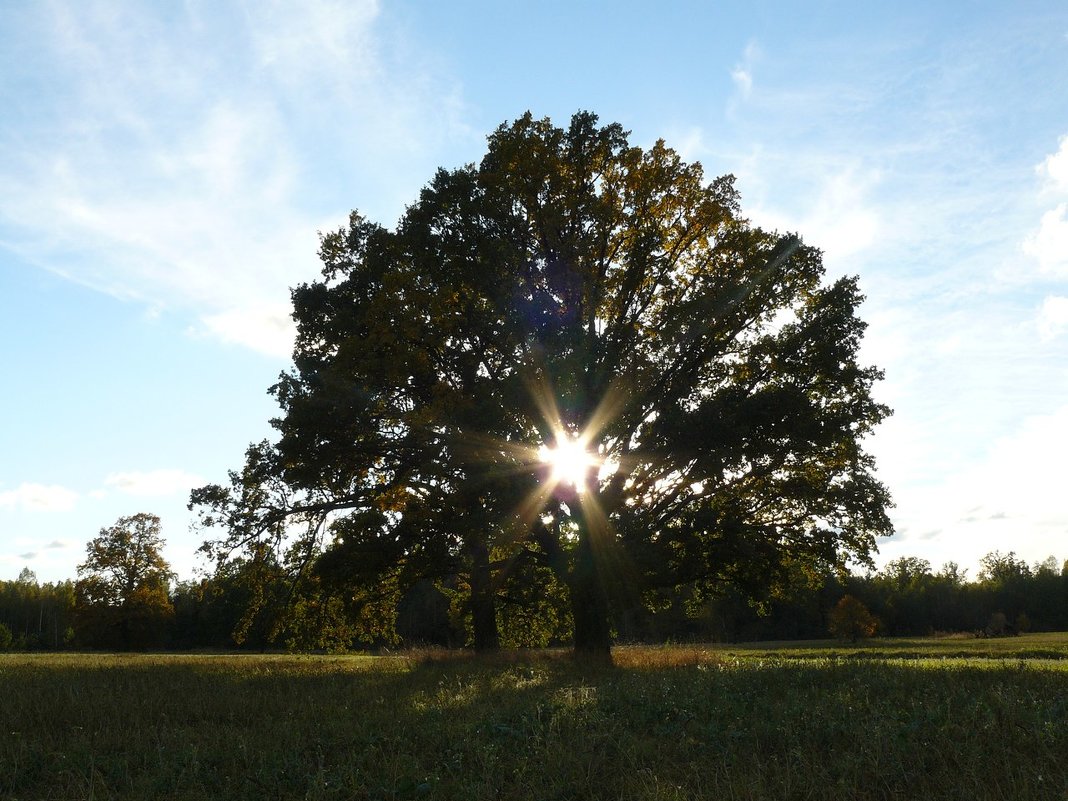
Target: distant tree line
(125,599)
(905,598)
(36,616)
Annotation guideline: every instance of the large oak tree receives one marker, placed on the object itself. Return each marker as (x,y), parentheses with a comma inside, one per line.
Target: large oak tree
(570,291)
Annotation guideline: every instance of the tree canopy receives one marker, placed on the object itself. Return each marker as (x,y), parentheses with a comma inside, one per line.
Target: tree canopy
(570,291)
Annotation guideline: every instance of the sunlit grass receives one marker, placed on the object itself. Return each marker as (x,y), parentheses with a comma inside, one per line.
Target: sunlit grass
(1031,646)
(687,722)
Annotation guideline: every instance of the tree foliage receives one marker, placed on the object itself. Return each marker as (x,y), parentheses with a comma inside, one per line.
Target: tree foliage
(570,286)
(122,592)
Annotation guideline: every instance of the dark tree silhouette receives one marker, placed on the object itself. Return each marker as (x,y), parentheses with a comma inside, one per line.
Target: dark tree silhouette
(569,291)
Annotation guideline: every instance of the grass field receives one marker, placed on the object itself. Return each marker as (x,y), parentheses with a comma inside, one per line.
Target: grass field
(945,719)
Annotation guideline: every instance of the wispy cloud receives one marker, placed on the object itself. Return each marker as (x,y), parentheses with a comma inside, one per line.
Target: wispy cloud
(38,498)
(154,483)
(307,41)
(184,183)
(742,72)
(837,216)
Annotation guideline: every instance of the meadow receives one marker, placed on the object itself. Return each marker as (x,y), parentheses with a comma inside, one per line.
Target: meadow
(937,718)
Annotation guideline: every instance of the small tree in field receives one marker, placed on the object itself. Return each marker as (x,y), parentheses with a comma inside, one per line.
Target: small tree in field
(122,593)
(851,620)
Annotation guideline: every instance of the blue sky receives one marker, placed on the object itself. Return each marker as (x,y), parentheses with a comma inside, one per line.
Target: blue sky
(165,169)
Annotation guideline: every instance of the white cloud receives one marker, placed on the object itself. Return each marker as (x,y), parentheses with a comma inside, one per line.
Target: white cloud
(1055,167)
(154,483)
(1049,244)
(39,498)
(1052,317)
(268,329)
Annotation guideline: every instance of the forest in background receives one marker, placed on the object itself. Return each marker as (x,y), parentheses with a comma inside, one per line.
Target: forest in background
(254,607)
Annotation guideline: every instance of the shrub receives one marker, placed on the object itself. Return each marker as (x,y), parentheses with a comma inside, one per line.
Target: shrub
(851,620)
(998,625)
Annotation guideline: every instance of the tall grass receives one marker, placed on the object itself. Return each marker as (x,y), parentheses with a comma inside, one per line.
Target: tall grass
(666,723)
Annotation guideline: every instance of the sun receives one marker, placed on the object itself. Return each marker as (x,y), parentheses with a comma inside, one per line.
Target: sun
(569,462)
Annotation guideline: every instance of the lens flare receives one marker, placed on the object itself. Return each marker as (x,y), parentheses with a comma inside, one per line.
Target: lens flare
(569,462)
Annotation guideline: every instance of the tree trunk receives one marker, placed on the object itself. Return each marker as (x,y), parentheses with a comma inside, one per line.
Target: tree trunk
(589,605)
(483,605)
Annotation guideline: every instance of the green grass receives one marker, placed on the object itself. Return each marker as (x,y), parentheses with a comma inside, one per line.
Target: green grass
(975,719)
